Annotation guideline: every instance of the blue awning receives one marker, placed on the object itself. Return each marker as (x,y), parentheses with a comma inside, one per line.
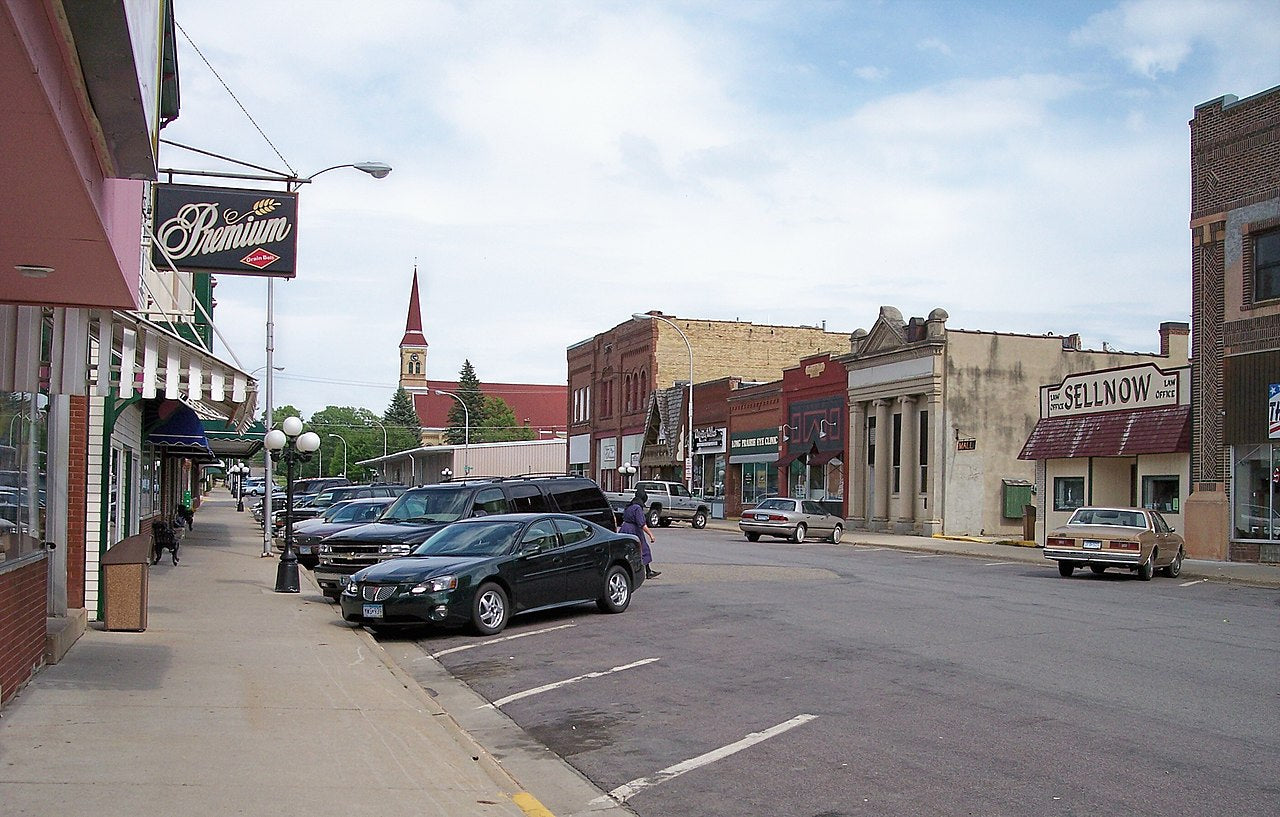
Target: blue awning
(173,426)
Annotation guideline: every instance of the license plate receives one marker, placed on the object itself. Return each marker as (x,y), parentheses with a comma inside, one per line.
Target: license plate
(762,517)
(305,549)
(1093,544)
(372,611)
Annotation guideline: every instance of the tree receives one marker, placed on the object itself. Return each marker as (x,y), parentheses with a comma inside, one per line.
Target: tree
(404,431)
(499,423)
(462,423)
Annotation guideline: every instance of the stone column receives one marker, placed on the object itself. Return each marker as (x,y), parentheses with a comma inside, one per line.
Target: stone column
(909,461)
(857,463)
(884,465)
(940,445)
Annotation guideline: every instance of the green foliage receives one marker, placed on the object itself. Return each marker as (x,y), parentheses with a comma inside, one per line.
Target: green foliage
(499,423)
(401,420)
(460,421)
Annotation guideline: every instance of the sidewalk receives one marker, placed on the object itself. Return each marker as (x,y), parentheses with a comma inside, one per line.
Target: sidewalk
(1004,549)
(238,700)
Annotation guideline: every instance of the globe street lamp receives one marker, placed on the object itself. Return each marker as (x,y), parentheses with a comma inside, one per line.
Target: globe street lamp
(239,471)
(344,452)
(466,431)
(295,446)
(626,470)
(446,474)
(688,451)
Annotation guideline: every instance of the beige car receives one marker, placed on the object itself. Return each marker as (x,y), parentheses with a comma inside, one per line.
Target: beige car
(1135,539)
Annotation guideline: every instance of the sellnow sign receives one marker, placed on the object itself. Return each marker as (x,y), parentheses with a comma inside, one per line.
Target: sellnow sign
(222,229)
(1134,387)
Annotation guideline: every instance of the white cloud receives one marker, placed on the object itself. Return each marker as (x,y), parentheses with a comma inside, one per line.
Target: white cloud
(934,44)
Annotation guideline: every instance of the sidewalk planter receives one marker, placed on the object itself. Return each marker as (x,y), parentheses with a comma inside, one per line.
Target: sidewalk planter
(126,569)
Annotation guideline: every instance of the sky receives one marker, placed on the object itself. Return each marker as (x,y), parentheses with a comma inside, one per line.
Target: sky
(561,165)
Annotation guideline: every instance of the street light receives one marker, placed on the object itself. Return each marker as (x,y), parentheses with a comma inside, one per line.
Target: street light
(303,444)
(378,170)
(466,431)
(688,451)
(344,453)
(239,471)
(626,470)
(446,474)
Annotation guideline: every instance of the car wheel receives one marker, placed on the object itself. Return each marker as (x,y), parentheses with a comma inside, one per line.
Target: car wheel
(654,518)
(1065,569)
(1098,570)
(836,533)
(699,520)
(489,609)
(753,537)
(798,536)
(1174,569)
(617,591)
(1148,568)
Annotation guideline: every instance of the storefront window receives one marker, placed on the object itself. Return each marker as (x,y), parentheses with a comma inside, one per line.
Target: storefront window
(1068,493)
(759,480)
(1257,496)
(24,422)
(1160,493)
(149,485)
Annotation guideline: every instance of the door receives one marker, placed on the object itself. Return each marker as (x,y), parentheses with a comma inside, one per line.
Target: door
(540,577)
(815,518)
(585,558)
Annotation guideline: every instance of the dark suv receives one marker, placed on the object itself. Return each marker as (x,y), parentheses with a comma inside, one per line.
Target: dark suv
(420,512)
(319,503)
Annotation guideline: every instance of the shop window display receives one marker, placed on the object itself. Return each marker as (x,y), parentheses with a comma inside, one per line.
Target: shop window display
(1068,493)
(24,422)
(759,480)
(1160,493)
(1256,489)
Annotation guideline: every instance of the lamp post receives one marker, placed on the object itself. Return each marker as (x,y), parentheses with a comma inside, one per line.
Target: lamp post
(466,431)
(239,471)
(344,452)
(295,446)
(446,474)
(688,451)
(626,470)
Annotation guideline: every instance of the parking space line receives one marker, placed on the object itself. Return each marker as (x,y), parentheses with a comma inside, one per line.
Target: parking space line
(926,556)
(993,564)
(866,549)
(557,684)
(499,640)
(1197,581)
(628,790)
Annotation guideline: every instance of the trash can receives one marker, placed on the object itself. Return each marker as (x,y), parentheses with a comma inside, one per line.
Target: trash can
(125,572)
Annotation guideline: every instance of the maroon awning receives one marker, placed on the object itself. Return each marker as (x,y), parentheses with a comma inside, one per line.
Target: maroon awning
(1165,430)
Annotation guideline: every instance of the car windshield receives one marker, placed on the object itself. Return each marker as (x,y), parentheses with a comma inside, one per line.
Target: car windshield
(1108,516)
(478,539)
(339,512)
(429,505)
(776,505)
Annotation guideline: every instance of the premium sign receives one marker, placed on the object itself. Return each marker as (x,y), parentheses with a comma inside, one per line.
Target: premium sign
(222,229)
(1135,387)
(708,440)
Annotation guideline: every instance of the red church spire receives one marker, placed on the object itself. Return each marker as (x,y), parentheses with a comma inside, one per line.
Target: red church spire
(413,324)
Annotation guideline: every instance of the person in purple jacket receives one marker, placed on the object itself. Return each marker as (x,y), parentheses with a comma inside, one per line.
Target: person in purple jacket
(635,523)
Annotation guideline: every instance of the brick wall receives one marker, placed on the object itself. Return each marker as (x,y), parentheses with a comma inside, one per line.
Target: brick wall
(23,591)
(1235,152)
(77,499)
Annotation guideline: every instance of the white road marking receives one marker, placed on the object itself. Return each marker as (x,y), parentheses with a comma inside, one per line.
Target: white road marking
(993,564)
(927,556)
(1188,584)
(556,685)
(866,549)
(499,640)
(628,790)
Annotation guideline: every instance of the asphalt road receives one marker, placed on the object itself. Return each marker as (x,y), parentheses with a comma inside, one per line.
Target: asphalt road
(820,680)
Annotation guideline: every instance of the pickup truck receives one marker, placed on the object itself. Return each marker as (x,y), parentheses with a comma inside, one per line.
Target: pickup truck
(668,501)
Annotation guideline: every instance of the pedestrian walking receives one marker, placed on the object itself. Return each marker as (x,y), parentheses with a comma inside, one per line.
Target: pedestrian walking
(636,523)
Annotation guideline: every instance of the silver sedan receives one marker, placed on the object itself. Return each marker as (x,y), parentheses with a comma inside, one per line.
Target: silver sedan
(792,519)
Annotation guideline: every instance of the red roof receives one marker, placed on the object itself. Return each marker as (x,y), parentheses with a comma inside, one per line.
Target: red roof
(1165,430)
(534,404)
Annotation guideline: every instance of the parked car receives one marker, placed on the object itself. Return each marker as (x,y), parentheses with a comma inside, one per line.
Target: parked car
(1136,539)
(314,485)
(338,516)
(484,570)
(420,512)
(788,518)
(319,502)
(254,486)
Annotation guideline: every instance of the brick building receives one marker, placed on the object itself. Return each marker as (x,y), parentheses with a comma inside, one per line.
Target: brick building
(614,375)
(1234,511)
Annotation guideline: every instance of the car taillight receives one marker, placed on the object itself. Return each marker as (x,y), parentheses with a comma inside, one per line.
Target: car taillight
(777,517)
(1059,542)
(1121,544)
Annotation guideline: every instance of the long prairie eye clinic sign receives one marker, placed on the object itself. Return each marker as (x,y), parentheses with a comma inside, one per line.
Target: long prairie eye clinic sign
(225,230)
(1135,387)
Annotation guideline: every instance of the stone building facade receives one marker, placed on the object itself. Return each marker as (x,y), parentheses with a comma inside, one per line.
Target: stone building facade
(1234,511)
(939,416)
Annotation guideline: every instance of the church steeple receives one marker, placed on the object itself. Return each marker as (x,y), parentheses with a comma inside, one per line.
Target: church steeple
(413,346)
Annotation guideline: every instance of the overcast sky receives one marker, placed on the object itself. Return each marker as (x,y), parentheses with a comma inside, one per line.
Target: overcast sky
(558,166)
